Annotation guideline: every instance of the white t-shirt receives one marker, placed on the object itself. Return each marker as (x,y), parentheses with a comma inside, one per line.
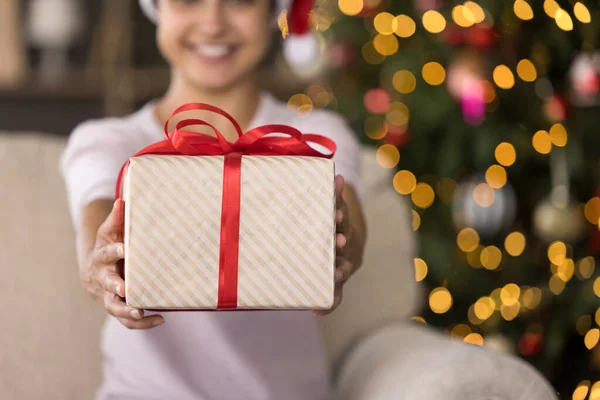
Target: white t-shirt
(275,355)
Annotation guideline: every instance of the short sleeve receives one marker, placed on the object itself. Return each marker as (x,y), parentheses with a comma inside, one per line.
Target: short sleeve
(90,164)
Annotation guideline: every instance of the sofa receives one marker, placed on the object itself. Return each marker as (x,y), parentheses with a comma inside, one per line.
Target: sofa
(51,331)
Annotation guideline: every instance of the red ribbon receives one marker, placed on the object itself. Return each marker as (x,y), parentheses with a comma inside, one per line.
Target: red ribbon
(255,142)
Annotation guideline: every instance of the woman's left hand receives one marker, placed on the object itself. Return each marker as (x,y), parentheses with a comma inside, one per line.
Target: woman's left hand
(344,267)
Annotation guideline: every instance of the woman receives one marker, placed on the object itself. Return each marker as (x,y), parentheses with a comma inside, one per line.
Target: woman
(214,48)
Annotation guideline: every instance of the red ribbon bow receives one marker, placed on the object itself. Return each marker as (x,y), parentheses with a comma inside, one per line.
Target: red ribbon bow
(255,142)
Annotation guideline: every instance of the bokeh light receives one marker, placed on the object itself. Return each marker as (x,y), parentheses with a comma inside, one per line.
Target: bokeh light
(404,182)
(551,7)
(484,195)
(460,330)
(371,55)
(377,101)
(503,77)
(406,26)
(484,308)
(586,267)
(423,195)
(385,23)
(532,297)
(495,176)
(526,70)
(398,114)
(581,391)
(476,10)
(582,13)
(591,338)
(419,319)
(474,338)
(404,81)
(563,20)
(514,244)
(558,135)
(510,312)
(300,103)
(596,287)
(592,210)
(583,324)
(440,300)
(463,16)
(433,73)
(375,127)
(467,239)
(416,222)
(505,154)
(556,284)
(434,22)
(491,257)
(420,269)
(595,391)
(387,156)
(472,317)
(541,142)
(557,252)
(350,7)
(523,10)
(566,270)
(510,294)
(386,45)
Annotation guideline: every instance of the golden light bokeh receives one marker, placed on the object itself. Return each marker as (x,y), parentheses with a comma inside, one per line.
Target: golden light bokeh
(582,13)
(586,267)
(404,81)
(385,23)
(350,7)
(532,297)
(541,142)
(387,156)
(474,257)
(510,294)
(371,55)
(375,127)
(404,182)
(419,319)
(423,195)
(566,270)
(433,73)
(510,312)
(495,295)
(558,135)
(386,45)
(282,23)
(440,300)
(526,70)
(523,10)
(406,26)
(551,7)
(484,308)
(476,10)
(484,195)
(467,240)
(398,114)
(503,77)
(445,189)
(514,244)
(416,220)
(596,317)
(491,257)
(434,22)
(597,287)
(505,154)
(591,338)
(556,284)
(592,210)
(463,16)
(496,176)
(420,269)
(583,324)
(595,391)
(489,93)
(300,103)
(460,330)
(557,252)
(472,317)
(581,391)
(474,338)
(563,20)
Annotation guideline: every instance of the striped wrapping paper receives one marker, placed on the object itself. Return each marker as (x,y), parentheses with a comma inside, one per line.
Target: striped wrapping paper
(286,239)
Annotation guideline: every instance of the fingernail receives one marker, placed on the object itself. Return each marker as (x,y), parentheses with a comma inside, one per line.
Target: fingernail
(136,314)
(342,241)
(120,251)
(118,289)
(158,321)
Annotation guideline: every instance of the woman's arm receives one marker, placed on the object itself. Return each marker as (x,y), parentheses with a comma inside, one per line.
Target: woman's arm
(357,230)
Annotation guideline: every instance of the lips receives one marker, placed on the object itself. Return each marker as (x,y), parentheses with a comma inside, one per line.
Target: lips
(212,52)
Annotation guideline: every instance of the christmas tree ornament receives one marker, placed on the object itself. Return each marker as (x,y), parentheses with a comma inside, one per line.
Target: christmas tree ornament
(556,108)
(476,205)
(584,79)
(466,84)
(559,217)
(530,344)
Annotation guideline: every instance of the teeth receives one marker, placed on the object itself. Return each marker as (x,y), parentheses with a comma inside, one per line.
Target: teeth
(212,51)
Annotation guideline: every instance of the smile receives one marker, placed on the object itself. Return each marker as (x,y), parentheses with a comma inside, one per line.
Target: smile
(212,52)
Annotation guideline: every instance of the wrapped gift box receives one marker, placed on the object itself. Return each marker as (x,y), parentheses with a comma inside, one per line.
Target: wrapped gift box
(174,238)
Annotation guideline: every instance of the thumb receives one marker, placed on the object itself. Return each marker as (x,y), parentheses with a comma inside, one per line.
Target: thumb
(112,224)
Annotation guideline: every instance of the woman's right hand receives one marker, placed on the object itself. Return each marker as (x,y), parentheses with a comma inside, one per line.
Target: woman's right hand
(101,280)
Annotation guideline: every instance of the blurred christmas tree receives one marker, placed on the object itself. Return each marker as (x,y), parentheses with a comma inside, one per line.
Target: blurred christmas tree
(489,111)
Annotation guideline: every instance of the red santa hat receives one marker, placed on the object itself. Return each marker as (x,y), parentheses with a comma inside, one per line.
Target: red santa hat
(300,47)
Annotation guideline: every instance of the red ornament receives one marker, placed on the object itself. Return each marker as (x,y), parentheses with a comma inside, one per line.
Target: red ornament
(396,135)
(530,344)
(377,101)
(481,37)
(341,55)
(556,108)
(454,35)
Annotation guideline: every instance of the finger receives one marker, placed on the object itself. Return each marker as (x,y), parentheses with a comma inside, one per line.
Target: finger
(112,282)
(112,224)
(339,187)
(340,240)
(109,254)
(339,216)
(337,299)
(344,271)
(144,323)
(116,307)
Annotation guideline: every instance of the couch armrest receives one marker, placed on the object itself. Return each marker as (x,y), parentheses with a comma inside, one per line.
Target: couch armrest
(402,361)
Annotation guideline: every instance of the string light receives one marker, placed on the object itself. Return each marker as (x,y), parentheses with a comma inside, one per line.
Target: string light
(592,210)
(556,284)
(503,77)
(472,317)
(433,73)
(566,270)
(474,257)
(532,297)
(440,300)
(591,338)
(398,114)
(387,156)
(557,252)
(350,7)
(420,269)
(404,182)
(416,222)
(551,7)
(586,267)
(460,331)
(491,257)
(386,45)
(595,391)
(463,16)
(510,312)
(558,135)
(406,26)
(541,142)
(467,239)
(563,20)
(476,10)
(434,22)
(523,10)
(596,317)
(404,81)
(474,338)
(514,244)
(300,103)
(596,287)
(582,13)
(495,176)
(526,70)
(510,294)
(505,154)
(484,308)
(423,195)
(385,23)
(581,391)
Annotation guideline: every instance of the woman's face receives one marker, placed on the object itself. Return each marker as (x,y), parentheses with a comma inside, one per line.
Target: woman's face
(213,44)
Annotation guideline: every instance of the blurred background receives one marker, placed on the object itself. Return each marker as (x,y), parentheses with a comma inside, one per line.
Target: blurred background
(484,114)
